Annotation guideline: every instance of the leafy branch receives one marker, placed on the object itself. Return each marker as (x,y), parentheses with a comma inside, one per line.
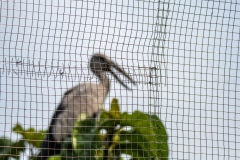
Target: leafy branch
(30,137)
(139,135)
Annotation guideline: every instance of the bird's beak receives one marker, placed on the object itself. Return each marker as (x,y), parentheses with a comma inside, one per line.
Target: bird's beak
(112,64)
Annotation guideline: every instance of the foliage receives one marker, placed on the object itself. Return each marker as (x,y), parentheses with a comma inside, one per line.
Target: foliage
(10,149)
(30,137)
(138,135)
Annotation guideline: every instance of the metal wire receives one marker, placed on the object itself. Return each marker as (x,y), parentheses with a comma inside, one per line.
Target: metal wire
(183,55)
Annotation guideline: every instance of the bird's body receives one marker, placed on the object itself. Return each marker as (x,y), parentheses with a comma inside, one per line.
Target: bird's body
(89,96)
(83,98)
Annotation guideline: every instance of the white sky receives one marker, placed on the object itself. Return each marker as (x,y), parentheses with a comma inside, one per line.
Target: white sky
(194,46)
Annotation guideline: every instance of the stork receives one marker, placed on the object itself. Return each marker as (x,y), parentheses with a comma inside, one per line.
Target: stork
(83,98)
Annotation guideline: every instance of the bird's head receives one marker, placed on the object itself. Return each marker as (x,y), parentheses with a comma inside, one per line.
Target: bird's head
(100,63)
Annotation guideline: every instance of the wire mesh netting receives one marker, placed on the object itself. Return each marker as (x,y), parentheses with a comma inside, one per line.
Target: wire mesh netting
(182,55)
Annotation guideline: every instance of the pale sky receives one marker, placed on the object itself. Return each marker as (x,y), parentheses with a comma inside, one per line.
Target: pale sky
(194,45)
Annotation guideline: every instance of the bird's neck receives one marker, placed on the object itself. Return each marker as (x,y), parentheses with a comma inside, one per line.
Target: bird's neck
(104,80)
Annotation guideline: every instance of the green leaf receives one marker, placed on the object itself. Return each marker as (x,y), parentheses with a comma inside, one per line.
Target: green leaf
(115,109)
(133,149)
(30,135)
(54,157)
(145,126)
(132,136)
(5,148)
(161,137)
(86,140)
(67,151)
(114,112)
(147,132)
(11,149)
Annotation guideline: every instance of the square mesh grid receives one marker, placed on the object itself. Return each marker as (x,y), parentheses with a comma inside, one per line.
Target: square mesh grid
(184,57)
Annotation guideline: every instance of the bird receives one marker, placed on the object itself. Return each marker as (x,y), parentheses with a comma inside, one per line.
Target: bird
(83,98)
